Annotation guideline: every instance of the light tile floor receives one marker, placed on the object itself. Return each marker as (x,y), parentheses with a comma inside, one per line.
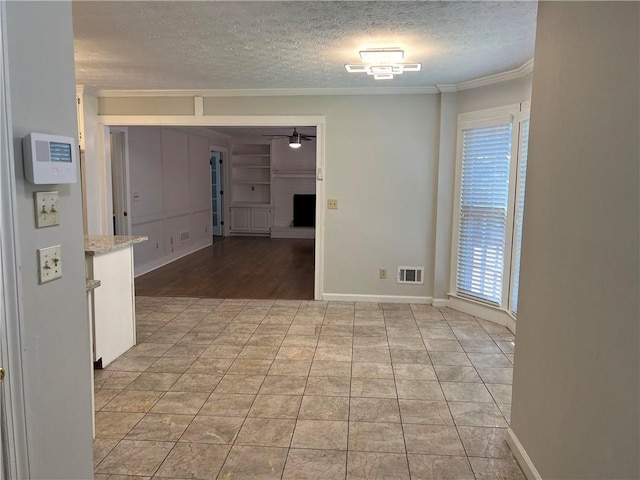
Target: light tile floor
(296,390)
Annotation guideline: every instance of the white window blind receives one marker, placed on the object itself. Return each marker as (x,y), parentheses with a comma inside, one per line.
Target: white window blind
(517,244)
(484,197)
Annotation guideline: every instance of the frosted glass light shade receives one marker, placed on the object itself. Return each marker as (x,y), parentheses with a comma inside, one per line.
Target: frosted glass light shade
(381,56)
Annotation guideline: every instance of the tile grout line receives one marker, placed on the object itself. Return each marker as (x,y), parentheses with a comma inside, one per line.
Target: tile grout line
(295,425)
(144,413)
(466,455)
(395,385)
(194,417)
(200,409)
(353,340)
(235,439)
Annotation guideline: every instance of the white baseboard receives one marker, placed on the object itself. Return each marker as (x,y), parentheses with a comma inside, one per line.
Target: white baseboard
(247,234)
(440,302)
(166,260)
(486,312)
(342,297)
(522,457)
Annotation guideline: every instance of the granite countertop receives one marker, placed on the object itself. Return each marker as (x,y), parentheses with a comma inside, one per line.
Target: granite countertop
(99,244)
(92,284)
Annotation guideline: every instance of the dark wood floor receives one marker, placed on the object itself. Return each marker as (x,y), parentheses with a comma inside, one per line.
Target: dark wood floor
(238,267)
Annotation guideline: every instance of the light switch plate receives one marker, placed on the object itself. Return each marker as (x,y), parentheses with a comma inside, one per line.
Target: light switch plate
(47,210)
(49,263)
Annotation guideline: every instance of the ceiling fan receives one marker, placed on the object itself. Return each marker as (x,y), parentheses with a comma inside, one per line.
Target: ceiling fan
(295,139)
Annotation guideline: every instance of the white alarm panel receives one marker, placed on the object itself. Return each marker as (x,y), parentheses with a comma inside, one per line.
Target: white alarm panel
(49,159)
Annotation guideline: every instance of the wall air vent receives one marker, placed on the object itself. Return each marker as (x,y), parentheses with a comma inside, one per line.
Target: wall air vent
(412,275)
(184,236)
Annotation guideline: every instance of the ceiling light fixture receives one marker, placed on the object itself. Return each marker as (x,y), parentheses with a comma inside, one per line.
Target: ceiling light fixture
(295,141)
(383,63)
(382,55)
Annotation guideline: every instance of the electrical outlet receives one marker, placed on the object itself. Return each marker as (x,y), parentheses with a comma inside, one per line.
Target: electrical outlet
(383,273)
(332,204)
(47,210)
(50,263)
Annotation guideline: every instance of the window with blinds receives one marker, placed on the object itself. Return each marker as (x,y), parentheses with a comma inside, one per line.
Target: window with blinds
(484,199)
(517,241)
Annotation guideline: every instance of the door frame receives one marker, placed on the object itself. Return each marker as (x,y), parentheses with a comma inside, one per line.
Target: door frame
(120,182)
(317,121)
(13,440)
(225,158)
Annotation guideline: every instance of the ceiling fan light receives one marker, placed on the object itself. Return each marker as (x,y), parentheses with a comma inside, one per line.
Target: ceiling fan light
(295,141)
(383,76)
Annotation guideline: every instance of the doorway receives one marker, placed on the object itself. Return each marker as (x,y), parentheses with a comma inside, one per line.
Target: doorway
(209,121)
(251,173)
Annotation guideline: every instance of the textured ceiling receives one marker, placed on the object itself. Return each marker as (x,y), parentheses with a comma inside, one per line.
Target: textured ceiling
(298,44)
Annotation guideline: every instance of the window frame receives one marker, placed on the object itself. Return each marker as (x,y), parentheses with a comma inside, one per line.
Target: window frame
(523,115)
(514,114)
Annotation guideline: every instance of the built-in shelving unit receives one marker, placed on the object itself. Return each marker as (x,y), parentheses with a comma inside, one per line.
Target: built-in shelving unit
(251,188)
(251,174)
(263,180)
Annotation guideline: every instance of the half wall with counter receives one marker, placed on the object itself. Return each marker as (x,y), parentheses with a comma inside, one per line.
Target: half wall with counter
(109,259)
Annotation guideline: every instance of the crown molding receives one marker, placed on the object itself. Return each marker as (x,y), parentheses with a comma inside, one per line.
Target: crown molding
(514,74)
(447,88)
(86,89)
(273,92)
(519,72)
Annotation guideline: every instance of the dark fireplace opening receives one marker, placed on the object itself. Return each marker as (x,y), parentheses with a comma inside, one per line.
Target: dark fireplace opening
(304,210)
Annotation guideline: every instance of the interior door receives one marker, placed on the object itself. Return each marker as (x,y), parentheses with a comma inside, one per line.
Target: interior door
(216,193)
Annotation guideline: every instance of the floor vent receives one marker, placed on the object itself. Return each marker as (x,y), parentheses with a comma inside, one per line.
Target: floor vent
(414,275)
(184,236)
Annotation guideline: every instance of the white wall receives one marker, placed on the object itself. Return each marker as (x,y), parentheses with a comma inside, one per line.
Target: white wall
(576,380)
(54,327)
(170,193)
